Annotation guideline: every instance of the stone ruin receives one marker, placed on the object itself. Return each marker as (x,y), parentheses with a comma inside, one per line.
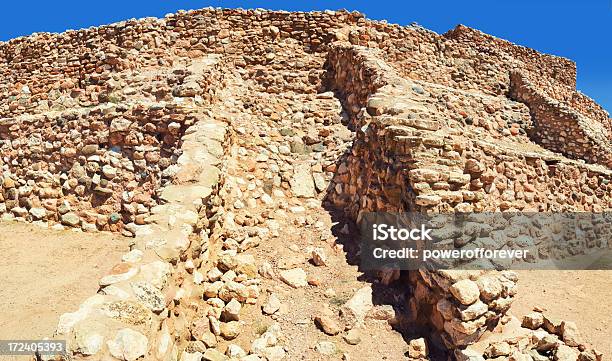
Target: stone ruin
(130,128)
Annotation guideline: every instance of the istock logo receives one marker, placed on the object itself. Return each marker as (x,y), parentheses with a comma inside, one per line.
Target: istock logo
(383,232)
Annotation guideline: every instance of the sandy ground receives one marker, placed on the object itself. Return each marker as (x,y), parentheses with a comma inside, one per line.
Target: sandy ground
(46,273)
(584,297)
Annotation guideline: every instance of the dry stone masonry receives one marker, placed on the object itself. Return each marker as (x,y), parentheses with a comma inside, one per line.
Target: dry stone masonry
(240,147)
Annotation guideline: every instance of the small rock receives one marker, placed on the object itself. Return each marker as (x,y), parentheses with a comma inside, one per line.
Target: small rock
(71,219)
(354,310)
(230,330)
(209,339)
(318,257)
(272,305)
(198,277)
(215,325)
(274,353)
(109,171)
(38,213)
(214,275)
(295,278)
(302,183)
(320,182)
(149,296)
(465,291)
(498,349)
(231,311)
(325,348)
(565,353)
(552,324)
(547,343)
(417,348)
(132,256)
(235,351)
(119,124)
(328,325)
(89,149)
(88,227)
(88,342)
(490,287)
(266,270)
(474,311)
(267,339)
(533,320)
(200,327)
(588,355)
(352,337)
(383,313)
(191,356)
(468,355)
(570,334)
(329,293)
(19,211)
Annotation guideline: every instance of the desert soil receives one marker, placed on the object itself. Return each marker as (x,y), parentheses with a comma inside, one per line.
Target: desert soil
(45,273)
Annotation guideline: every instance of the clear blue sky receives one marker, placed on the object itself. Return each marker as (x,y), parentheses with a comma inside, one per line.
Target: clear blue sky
(577,29)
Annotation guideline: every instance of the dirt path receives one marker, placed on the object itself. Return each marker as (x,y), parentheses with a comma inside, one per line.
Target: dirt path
(45,273)
(584,297)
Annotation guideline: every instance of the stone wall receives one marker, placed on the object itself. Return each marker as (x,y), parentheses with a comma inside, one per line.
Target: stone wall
(554,68)
(573,99)
(99,167)
(79,62)
(38,67)
(409,156)
(433,162)
(463,58)
(145,304)
(561,128)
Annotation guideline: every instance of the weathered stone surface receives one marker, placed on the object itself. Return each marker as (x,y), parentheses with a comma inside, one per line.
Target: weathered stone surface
(357,307)
(213,355)
(319,258)
(149,296)
(570,334)
(328,325)
(498,349)
(533,320)
(71,219)
(352,337)
(230,330)
(89,337)
(302,183)
(465,291)
(326,348)
(272,305)
(417,349)
(294,277)
(231,311)
(128,345)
